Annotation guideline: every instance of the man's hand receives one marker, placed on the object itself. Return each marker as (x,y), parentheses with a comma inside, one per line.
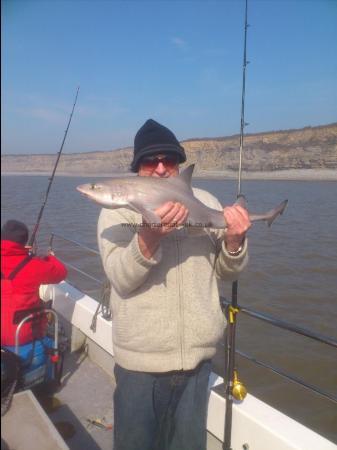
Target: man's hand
(238,223)
(32,249)
(172,215)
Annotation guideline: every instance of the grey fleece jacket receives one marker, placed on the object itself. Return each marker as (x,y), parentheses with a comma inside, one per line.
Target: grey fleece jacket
(166,311)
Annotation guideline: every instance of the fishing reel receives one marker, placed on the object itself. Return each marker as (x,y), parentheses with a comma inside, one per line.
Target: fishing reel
(239,391)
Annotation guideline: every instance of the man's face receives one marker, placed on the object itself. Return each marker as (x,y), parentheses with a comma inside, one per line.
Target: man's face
(160,165)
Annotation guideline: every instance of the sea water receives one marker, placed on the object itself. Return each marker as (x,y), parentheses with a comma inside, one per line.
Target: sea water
(292,276)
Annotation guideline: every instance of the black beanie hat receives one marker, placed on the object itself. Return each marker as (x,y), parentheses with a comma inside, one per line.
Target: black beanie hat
(15,231)
(154,138)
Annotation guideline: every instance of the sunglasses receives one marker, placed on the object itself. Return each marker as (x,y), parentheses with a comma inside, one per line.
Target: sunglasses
(151,162)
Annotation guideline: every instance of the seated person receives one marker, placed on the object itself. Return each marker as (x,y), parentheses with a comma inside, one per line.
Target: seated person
(21,277)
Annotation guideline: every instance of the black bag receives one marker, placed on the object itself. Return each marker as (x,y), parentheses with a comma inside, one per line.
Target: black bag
(10,373)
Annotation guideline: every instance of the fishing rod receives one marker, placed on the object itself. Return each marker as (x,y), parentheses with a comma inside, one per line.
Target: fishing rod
(231,374)
(243,95)
(36,227)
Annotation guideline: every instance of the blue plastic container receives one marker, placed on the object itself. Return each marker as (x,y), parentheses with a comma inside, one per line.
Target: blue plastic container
(35,362)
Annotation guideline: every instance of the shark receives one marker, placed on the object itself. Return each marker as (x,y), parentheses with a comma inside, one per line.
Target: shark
(145,194)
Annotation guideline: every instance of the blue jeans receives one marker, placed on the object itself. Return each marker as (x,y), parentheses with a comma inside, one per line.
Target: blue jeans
(161,411)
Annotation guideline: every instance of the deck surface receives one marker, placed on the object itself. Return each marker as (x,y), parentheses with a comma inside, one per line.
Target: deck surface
(86,394)
(25,426)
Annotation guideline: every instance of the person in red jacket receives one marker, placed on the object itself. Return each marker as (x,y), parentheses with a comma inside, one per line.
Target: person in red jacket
(21,277)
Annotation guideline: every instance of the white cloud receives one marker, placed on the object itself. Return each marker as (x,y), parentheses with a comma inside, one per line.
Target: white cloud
(47,114)
(179,43)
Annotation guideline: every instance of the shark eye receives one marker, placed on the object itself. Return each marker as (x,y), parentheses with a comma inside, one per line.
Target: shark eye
(95,186)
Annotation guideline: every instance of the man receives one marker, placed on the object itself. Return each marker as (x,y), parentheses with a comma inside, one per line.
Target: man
(21,277)
(165,305)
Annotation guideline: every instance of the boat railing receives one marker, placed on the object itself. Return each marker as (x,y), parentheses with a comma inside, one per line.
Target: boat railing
(82,246)
(285,325)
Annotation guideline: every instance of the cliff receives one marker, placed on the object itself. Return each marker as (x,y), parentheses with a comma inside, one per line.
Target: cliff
(306,148)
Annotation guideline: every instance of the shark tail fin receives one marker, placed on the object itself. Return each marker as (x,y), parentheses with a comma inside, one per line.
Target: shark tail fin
(271,215)
(278,211)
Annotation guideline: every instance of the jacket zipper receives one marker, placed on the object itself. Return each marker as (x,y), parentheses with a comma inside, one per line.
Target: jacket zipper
(181,307)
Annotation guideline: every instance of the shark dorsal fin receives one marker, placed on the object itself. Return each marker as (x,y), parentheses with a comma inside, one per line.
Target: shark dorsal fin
(183,180)
(186,175)
(241,200)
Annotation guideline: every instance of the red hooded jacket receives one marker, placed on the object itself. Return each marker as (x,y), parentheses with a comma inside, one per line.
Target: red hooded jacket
(23,291)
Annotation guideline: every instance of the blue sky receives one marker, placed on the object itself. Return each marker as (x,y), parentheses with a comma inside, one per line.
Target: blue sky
(178,62)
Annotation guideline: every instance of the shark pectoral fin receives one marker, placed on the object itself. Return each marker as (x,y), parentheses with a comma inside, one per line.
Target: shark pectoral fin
(209,234)
(271,215)
(149,216)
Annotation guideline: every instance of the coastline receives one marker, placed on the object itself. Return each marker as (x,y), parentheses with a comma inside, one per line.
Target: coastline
(289,174)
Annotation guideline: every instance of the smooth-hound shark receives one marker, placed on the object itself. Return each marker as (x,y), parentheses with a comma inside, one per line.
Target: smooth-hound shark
(145,194)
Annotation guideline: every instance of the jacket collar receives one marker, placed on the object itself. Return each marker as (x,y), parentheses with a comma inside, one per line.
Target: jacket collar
(11,248)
